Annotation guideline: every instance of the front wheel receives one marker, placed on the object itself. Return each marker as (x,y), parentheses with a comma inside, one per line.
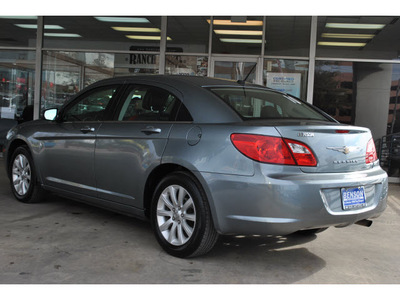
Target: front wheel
(181,217)
(22,176)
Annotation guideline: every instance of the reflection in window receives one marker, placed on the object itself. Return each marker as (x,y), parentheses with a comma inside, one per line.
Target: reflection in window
(188,34)
(333,91)
(186,65)
(17,82)
(103,33)
(92,107)
(358,37)
(288,76)
(363,94)
(17,31)
(287,35)
(136,63)
(235,70)
(66,73)
(389,147)
(237,35)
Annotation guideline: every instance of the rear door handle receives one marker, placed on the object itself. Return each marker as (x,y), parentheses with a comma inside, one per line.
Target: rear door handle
(150,130)
(88,129)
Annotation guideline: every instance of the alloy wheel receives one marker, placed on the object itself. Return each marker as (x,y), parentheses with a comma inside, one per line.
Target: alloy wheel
(21,174)
(176,215)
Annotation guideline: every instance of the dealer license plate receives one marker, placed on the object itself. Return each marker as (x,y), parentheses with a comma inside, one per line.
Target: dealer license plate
(353,198)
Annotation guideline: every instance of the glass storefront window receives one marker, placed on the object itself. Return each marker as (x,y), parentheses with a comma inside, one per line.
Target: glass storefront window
(355,93)
(18,31)
(66,73)
(237,35)
(17,82)
(287,35)
(358,37)
(187,34)
(235,70)
(102,32)
(389,145)
(136,63)
(333,90)
(289,76)
(60,78)
(393,125)
(186,65)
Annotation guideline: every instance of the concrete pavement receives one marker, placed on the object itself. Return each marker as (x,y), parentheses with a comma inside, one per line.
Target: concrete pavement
(61,241)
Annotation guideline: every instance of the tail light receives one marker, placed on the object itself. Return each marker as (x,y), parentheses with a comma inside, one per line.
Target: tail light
(370,155)
(274,150)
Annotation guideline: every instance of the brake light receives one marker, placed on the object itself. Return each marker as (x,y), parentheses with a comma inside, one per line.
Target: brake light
(370,155)
(273,150)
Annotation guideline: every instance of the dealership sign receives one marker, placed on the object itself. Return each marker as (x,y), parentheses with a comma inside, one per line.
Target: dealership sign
(147,59)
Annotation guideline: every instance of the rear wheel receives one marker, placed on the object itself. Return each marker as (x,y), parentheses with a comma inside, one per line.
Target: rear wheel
(23,178)
(181,217)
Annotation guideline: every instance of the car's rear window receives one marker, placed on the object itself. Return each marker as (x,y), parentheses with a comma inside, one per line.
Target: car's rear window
(252,103)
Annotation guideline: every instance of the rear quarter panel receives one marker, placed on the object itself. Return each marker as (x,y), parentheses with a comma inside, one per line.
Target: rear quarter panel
(213,152)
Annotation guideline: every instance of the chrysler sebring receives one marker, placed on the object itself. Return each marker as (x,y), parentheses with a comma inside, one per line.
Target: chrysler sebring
(200,157)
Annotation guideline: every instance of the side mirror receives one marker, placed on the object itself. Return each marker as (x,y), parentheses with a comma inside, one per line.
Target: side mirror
(50,114)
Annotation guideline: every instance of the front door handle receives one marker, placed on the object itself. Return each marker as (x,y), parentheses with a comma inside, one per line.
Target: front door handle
(88,129)
(151,130)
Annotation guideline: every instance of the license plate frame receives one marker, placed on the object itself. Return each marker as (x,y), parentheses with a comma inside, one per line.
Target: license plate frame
(353,198)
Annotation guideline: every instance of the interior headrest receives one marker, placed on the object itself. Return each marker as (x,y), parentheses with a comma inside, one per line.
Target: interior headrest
(154,100)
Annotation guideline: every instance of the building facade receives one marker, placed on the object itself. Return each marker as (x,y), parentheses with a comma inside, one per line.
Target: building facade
(348,66)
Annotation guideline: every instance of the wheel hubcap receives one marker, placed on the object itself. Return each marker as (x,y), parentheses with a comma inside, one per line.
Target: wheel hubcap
(21,175)
(176,215)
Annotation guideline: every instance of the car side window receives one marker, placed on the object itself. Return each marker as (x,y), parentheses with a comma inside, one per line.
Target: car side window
(148,103)
(91,107)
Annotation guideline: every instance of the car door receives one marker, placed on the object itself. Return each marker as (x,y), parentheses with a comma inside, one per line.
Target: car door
(128,148)
(67,158)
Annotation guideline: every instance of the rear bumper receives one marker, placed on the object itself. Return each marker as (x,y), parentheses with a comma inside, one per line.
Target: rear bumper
(280,200)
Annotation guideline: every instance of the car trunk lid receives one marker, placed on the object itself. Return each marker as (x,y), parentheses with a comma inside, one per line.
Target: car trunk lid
(337,148)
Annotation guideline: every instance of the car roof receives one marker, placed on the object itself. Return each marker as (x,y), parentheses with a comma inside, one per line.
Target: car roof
(199,81)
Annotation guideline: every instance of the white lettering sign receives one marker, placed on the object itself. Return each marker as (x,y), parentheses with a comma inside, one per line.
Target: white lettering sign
(289,83)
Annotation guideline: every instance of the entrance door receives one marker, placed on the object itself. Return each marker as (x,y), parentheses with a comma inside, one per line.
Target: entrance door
(236,68)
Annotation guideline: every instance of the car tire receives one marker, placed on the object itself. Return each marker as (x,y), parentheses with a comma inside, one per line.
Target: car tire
(181,217)
(23,179)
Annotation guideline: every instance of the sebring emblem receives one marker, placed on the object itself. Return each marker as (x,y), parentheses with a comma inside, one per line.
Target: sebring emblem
(345,149)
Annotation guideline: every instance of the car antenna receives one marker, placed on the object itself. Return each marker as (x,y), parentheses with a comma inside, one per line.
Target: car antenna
(247,76)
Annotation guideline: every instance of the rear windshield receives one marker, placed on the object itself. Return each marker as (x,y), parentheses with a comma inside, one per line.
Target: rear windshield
(252,103)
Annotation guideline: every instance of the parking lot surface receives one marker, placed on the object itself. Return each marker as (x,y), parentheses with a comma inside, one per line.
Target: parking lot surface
(61,241)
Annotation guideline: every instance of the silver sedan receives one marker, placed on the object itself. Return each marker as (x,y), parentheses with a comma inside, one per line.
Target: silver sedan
(200,157)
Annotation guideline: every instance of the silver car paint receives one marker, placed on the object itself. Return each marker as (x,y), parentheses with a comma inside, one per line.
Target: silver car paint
(244,196)
(253,198)
(76,150)
(124,160)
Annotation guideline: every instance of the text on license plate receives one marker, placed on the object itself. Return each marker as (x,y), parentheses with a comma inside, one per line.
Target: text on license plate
(353,198)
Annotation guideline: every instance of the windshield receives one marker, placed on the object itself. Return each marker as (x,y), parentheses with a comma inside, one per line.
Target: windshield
(252,103)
